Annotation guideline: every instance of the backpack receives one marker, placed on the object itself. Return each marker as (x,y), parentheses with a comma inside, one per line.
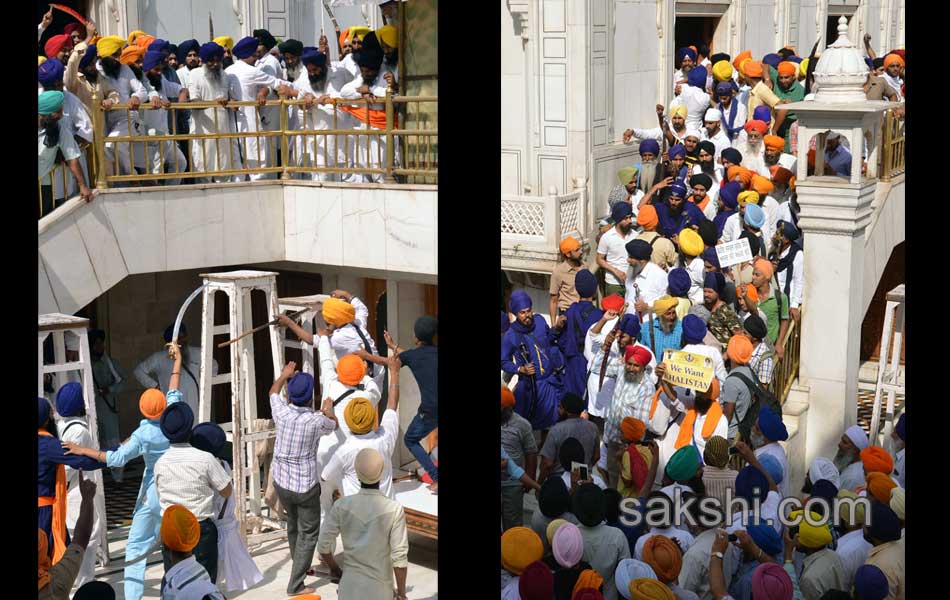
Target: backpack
(760,397)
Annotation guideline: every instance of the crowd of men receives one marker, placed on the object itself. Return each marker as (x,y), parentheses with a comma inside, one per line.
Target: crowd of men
(332,468)
(154,76)
(587,387)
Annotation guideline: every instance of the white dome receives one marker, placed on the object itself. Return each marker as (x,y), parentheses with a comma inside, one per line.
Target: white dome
(841,71)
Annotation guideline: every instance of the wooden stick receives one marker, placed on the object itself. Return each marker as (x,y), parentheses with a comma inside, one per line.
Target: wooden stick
(260,327)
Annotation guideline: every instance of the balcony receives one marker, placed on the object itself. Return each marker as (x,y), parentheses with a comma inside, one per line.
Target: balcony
(533,226)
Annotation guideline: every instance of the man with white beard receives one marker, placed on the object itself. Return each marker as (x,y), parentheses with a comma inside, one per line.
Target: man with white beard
(848,458)
(256,84)
(753,149)
(210,83)
(319,82)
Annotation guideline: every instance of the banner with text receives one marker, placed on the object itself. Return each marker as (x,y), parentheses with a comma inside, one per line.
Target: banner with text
(688,369)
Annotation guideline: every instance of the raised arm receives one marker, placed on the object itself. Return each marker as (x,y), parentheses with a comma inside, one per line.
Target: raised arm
(394,366)
(286,373)
(299,331)
(175,379)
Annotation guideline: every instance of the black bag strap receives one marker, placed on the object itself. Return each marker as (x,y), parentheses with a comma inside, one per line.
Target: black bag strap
(68,427)
(366,346)
(224,508)
(190,374)
(345,394)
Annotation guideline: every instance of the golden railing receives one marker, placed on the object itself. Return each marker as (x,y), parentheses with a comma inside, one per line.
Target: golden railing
(62,175)
(786,370)
(893,144)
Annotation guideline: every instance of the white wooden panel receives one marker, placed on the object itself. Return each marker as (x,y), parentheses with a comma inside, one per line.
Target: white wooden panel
(555,136)
(599,88)
(554,48)
(553,16)
(555,92)
(552,169)
(511,172)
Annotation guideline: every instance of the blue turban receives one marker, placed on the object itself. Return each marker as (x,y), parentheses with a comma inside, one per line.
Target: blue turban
(185,47)
(208,437)
(697,77)
(789,230)
(870,583)
(312,56)
(771,425)
(42,413)
(678,189)
(520,300)
(88,57)
(679,282)
(171,329)
(729,193)
(724,88)
(795,59)
(824,488)
(246,47)
(158,45)
(694,329)
(732,155)
(176,422)
(772,60)
(630,324)
(885,526)
(300,389)
(714,280)
(766,538)
(709,255)
(69,401)
(505,321)
(621,211)
(899,428)
(684,52)
(639,249)
(50,72)
(211,51)
(650,145)
(152,59)
(585,283)
(773,467)
(748,481)
(677,150)
(754,215)
(762,113)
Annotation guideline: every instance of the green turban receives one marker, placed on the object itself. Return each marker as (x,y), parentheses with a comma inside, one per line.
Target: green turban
(683,464)
(627,174)
(50,101)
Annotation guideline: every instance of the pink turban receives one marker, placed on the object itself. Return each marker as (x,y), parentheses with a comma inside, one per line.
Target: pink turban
(568,545)
(771,582)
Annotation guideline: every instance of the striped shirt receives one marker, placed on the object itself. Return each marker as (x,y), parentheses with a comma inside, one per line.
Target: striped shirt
(295,452)
(187,476)
(188,580)
(630,399)
(762,363)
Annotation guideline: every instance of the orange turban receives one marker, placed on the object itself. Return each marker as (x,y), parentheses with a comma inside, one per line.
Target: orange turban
(890,59)
(762,185)
(787,68)
(612,302)
(774,142)
(737,62)
(751,293)
(780,174)
(569,244)
(755,124)
(752,69)
(880,486)
(713,391)
(588,579)
(134,35)
(875,458)
(739,350)
(152,404)
(131,54)
(144,41)
(647,218)
(632,429)
(520,546)
(507,397)
(42,546)
(180,529)
(764,266)
(338,312)
(350,369)
(664,556)
(646,588)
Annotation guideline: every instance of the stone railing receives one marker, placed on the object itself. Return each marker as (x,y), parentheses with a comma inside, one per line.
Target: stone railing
(533,226)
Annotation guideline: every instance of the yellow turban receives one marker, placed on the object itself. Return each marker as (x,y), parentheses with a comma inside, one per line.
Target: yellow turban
(691,243)
(180,529)
(389,35)
(132,37)
(359,31)
(109,45)
(224,41)
(338,312)
(810,536)
(42,59)
(360,416)
(520,547)
(552,529)
(722,70)
(749,196)
(679,109)
(650,589)
(844,510)
(803,69)
(664,303)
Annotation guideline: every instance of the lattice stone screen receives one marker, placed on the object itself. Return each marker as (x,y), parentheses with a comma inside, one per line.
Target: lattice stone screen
(569,217)
(522,218)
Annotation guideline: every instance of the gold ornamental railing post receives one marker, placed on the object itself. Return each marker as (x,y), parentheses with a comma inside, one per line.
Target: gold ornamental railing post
(99,138)
(390,148)
(284,147)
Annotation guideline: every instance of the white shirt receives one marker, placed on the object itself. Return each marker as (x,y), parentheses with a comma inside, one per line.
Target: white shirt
(732,229)
(796,290)
(343,462)
(156,370)
(346,339)
(776,450)
(376,88)
(126,85)
(334,389)
(769,206)
(184,74)
(853,551)
(852,476)
(720,140)
(46,157)
(741,116)
(899,467)
(784,212)
(188,580)
(252,80)
(331,86)
(270,65)
(751,158)
(158,119)
(652,283)
(697,273)
(349,65)
(190,477)
(78,434)
(614,246)
(75,111)
(696,102)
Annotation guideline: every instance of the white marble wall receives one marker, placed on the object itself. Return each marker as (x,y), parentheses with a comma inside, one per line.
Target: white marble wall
(884,234)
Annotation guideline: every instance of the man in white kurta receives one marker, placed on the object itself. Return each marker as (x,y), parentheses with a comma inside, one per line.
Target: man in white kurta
(256,84)
(75,117)
(319,82)
(156,370)
(713,132)
(210,83)
(163,156)
(54,134)
(367,151)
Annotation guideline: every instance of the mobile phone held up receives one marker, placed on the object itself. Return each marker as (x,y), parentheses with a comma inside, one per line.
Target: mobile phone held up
(733,450)
(583,473)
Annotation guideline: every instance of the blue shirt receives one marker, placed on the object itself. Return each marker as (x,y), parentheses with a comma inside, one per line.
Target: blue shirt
(571,339)
(514,471)
(423,361)
(538,342)
(670,225)
(839,160)
(661,339)
(49,455)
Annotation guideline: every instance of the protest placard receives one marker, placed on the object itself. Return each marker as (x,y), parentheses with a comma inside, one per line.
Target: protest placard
(733,253)
(688,369)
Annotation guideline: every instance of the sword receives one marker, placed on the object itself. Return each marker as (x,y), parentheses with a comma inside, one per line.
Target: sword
(526,357)
(259,327)
(603,364)
(181,314)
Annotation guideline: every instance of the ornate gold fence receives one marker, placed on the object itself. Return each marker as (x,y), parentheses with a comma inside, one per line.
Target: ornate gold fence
(893,144)
(787,369)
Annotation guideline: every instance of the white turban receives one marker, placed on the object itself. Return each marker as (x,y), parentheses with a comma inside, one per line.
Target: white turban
(897,502)
(693,133)
(857,436)
(629,569)
(822,468)
(713,114)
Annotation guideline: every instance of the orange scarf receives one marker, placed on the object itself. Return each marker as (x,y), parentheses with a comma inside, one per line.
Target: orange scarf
(58,502)
(685,436)
(377,118)
(656,400)
(700,205)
